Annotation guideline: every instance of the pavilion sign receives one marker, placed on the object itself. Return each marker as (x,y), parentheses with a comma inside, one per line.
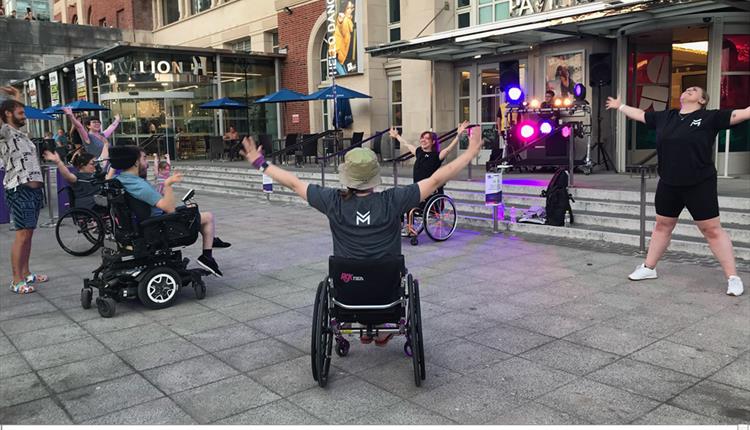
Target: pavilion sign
(531,7)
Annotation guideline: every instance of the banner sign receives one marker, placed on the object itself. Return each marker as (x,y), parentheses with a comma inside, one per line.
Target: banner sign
(493,189)
(344,37)
(32,93)
(267,184)
(81,92)
(54,89)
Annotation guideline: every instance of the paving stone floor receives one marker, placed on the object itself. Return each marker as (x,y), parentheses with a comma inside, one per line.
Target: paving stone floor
(517,332)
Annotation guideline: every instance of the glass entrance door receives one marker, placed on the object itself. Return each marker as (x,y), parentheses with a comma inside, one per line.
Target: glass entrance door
(661,65)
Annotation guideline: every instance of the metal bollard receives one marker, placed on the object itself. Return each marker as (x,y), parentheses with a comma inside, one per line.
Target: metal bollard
(48,190)
(642,247)
(323,172)
(469,177)
(395,174)
(494,219)
(571,156)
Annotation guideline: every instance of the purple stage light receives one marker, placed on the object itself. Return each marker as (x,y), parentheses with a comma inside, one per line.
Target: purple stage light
(579,91)
(514,94)
(545,127)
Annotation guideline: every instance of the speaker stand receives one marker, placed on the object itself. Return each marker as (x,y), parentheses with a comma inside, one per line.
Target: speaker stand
(602,157)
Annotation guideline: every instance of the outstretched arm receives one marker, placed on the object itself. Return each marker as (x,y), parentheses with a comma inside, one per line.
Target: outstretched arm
(740,115)
(54,157)
(629,111)
(450,170)
(394,134)
(254,154)
(166,203)
(447,150)
(112,127)
(77,124)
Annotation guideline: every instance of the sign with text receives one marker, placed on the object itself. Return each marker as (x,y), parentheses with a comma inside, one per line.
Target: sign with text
(81,92)
(197,65)
(32,93)
(344,36)
(54,89)
(531,7)
(493,189)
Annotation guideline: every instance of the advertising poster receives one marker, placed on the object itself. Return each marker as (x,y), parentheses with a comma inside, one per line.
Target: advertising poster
(54,89)
(81,93)
(344,36)
(562,72)
(32,93)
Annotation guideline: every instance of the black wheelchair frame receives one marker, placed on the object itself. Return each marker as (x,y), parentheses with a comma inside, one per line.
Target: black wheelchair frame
(86,223)
(386,300)
(145,263)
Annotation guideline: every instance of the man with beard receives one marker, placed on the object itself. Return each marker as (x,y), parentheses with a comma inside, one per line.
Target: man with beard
(23,190)
(133,163)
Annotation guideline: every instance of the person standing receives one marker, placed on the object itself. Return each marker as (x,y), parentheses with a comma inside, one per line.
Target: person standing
(92,136)
(687,177)
(23,191)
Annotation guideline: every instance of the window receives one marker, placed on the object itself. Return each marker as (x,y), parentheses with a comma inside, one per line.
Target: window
(198,6)
(735,87)
(394,20)
(103,22)
(493,10)
(120,18)
(324,61)
(464,96)
(395,112)
(242,45)
(463,13)
(275,41)
(170,11)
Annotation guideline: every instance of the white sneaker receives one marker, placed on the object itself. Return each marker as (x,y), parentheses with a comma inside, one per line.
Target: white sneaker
(734,286)
(642,272)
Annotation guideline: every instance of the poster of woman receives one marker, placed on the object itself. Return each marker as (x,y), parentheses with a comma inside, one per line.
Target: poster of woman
(346,38)
(562,72)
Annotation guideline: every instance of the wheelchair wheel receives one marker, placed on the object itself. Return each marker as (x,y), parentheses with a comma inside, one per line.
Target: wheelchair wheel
(440,217)
(415,331)
(313,343)
(79,232)
(105,306)
(86,295)
(200,289)
(158,288)
(322,337)
(420,340)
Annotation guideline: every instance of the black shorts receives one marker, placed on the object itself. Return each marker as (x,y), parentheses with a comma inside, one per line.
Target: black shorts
(701,200)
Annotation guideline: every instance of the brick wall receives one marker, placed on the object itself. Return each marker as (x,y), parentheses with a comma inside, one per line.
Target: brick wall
(294,32)
(134,14)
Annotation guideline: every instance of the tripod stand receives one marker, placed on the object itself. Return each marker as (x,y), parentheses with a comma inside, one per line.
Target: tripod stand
(602,157)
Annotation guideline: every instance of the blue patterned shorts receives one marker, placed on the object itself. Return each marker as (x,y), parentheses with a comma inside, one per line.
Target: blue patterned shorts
(24,204)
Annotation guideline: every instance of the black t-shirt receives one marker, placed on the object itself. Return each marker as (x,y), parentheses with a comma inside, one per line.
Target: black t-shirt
(684,143)
(84,190)
(426,164)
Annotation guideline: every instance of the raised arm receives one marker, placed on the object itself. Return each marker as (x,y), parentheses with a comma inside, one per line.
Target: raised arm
(254,154)
(166,203)
(54,157)
(394,134)
(112,127)
(740,115)
(629,111)
(447,150)
(77,124)
(450,170)
(156,166)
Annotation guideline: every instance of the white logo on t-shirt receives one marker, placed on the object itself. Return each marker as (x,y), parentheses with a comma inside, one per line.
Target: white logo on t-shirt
(696,122)
(363,218)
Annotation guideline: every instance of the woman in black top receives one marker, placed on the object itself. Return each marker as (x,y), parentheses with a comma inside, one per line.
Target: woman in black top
(687,176)
(428,155)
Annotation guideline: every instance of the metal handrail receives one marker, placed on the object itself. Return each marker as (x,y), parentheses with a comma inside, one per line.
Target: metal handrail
(349,148)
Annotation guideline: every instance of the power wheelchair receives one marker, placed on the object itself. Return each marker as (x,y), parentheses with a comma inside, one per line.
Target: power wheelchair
(368,297)
(144,262)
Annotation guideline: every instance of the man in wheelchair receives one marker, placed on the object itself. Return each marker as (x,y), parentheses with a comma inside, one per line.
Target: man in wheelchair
(366,230)
(134,165)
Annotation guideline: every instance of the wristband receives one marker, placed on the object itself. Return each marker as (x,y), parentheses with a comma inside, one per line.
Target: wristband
(622,106)
(259,162)
(263,166)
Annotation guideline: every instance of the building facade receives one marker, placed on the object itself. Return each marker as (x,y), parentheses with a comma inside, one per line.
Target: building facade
(42,9)
(124,14)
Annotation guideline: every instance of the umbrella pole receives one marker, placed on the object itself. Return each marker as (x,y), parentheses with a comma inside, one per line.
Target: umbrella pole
(247,101)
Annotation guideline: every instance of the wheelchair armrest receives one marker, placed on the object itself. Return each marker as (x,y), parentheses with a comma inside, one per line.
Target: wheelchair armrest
(155,220)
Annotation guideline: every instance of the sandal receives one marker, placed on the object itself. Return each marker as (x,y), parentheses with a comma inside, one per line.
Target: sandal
(36,278)
(22,288)
(383,341)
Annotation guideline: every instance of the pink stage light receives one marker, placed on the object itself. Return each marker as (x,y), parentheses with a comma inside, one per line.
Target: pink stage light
(566,131)
(527,131)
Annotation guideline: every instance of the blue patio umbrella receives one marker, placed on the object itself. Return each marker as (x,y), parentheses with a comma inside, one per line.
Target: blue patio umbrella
(341,93)
(54,110)
(223,103)
(34,113)
(282,96)
(85,106)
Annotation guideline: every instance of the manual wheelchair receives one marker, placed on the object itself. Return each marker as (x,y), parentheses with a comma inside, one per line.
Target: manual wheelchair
(368,297)
(144,262)
(437,217)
